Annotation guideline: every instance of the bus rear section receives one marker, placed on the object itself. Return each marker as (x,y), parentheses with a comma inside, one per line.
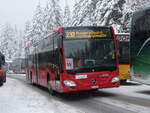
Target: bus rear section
(76,59)
(2,71)
(2,77)
(123,43)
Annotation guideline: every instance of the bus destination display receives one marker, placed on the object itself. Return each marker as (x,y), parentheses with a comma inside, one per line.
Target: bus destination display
(87,33)
(98,34)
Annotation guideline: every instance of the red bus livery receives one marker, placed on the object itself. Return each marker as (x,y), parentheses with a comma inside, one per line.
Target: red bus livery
(74,59)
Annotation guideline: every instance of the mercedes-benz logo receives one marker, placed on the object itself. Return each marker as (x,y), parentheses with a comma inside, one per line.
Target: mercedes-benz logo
(94,80)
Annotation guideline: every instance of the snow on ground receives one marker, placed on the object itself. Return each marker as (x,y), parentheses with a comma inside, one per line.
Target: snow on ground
(16,97)
(134,89)
(24,75)
(125,105)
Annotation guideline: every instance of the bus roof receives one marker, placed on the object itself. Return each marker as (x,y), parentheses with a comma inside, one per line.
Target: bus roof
(60,30)
(140,21)
(141,10)
(86,27)
(137,14)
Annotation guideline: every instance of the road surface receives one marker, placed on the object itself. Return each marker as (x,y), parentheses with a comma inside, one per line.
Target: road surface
(18,96)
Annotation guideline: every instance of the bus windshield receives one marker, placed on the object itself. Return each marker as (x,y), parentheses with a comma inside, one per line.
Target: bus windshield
(89,55)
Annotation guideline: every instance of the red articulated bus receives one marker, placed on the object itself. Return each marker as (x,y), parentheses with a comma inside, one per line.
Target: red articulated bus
(74,59)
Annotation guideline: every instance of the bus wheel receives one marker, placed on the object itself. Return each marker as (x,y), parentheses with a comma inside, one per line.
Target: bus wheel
(4,76)
(31,78)
(51,91)
(123,81)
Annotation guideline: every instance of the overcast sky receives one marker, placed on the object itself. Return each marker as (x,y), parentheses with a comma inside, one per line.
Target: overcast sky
(17,12)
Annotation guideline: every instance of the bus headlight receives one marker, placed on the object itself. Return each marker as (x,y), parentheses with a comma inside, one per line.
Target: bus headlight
(115,79)
(69,83)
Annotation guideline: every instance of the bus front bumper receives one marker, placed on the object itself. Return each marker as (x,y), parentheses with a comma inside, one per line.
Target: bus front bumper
(83,87)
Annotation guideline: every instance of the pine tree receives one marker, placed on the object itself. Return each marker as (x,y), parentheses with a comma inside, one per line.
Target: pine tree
(27,35)
(66,16)
(75,17)
(56,13)
(137,4)
(128,9)
(20,44)
(52,16)
(9,41)
(109,12)
(37,30)
(47,18)
(84,12)
(28,32)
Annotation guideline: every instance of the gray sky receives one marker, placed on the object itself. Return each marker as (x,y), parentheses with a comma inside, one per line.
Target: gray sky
(17,12)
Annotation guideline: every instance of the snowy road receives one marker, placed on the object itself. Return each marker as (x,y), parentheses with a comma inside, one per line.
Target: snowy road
(16,96)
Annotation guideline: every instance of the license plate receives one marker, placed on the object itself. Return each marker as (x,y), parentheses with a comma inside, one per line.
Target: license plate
(81,76)
(94,87)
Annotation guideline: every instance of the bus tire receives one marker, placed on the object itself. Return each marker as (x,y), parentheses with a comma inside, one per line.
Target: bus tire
(123,81)
(30,80)
(5,77)
(50,90)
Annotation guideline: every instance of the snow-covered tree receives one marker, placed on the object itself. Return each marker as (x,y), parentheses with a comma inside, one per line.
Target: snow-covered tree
(137,4)
(66,16)
(9,41)
(47,18)
(75,11)
(37,25)
(109,12)
(52,16)
(21,44)
(129,8)
(56,13)
(28,32)
(106,12)
(84,13)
